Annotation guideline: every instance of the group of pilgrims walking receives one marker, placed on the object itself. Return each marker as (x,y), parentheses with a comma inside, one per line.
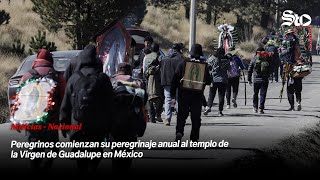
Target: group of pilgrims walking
(118,108)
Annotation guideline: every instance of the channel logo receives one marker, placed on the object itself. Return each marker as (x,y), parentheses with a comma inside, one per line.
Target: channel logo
(289,18)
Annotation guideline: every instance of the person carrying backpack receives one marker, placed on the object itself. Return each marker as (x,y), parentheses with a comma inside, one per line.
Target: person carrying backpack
(88,101)
(234,73)
(219,66)
(261,68)
(43,67)
(129,116)
(189,100)
(271,47)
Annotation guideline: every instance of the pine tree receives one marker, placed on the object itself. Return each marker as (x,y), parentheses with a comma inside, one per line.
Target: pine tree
(39,41)
(81,19)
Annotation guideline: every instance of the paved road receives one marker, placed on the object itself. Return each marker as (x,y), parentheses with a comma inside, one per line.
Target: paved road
(245,131)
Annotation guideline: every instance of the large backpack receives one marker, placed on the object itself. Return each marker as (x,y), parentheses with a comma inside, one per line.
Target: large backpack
(35,99)
(86,99)
(263,63)
(234,70)
(129,112)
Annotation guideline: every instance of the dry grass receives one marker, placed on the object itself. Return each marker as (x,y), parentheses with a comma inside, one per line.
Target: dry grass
(9,64)
(24,24)
(170,27)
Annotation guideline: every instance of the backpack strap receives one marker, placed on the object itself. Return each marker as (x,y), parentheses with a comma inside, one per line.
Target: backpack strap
(34,73)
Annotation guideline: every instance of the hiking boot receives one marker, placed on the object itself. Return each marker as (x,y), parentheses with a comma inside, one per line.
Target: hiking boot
(178,137)
(255,110)
(261,111)
(159,119)
(228,107)
(206,112)
(235,105)
(299,107)
(220,113)
(167,122)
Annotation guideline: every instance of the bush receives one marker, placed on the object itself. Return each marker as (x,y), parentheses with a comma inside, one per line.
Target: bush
(39,41)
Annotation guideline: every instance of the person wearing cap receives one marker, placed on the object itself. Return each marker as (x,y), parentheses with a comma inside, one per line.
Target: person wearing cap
(147,46)
(293,46)
(44,65)
(168,65)
(190,101)
(219,65)
(272,47)
(260,83)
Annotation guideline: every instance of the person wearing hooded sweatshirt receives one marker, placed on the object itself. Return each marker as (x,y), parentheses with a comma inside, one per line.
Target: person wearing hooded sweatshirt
(44,65)
(72,66)
(190,101)
(168,66)
(96,125)
(219,66)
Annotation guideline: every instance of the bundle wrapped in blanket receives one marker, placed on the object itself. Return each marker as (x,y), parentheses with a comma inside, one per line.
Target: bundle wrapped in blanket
(300,71)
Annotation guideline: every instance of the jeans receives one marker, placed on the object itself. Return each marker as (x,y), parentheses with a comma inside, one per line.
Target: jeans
(261,87)
(167,103)
(221,87)
(295,88)
(234,84)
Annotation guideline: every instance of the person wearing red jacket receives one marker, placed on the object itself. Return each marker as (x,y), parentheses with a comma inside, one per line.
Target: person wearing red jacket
(43,65)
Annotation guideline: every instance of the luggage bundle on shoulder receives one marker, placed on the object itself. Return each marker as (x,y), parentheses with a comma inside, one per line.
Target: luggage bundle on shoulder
(129,117)
(300,71)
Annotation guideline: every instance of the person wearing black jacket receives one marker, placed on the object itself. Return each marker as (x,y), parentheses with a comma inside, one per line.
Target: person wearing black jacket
(260,82)
(168,66)
(72,66)
(97,125)
(188,100)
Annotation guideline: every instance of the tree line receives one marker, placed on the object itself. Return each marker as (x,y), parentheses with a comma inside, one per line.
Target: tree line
(79,19)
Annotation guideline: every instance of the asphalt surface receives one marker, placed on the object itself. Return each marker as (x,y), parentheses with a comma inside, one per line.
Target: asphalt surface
(246,132)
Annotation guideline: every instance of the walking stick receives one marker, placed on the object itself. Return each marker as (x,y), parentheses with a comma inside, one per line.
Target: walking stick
(245,88)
